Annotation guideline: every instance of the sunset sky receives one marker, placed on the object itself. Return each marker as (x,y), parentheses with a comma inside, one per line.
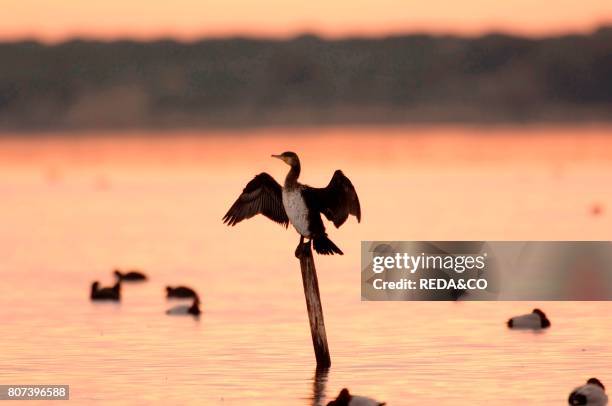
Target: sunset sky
(53,20)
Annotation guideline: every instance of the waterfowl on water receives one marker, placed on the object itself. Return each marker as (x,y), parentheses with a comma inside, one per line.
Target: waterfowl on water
(180,292)
(535,320)
(131,276)
(194,309)
(112,293)
(346,399)
(591,394)
(298,204)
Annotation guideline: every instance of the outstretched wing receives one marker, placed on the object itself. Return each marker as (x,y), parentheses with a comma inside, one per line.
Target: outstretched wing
(337,200)
(261,195)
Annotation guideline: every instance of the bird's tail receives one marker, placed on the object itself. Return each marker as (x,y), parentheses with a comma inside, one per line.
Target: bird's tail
(325,246)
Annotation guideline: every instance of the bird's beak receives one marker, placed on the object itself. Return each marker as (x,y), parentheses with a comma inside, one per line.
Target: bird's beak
(277,156)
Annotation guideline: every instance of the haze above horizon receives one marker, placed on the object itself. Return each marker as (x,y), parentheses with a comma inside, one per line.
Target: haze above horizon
(191,19)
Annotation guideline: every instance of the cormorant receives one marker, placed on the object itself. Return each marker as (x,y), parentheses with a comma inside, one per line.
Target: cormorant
(298,204)
(112,293)
(180,292)
(131,276)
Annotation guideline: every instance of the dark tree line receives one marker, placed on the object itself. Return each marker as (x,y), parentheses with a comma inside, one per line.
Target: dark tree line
(306,80)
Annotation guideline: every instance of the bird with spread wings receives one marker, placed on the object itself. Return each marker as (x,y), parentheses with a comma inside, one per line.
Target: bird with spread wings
(298,204)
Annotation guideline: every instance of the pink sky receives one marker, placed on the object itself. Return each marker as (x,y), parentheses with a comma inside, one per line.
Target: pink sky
(54,20)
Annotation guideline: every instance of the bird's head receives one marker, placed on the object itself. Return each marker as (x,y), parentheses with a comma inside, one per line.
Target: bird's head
(290,158)
(344,398)
(195,307)
(595,381)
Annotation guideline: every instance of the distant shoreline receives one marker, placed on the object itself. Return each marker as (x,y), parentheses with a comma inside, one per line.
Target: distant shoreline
(307,34)
(232,83)
(256,130)
(561,117)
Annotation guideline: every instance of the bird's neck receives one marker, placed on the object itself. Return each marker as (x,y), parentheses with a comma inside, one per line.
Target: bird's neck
(292,176)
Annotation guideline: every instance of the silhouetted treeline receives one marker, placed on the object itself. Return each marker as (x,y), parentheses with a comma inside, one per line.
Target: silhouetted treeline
(306,80)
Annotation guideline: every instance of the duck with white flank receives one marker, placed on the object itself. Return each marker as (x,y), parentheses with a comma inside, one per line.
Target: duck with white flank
(180,292)
(346,399)
(112,293)
(132,276)
(193,310)
(535,320)
(298,204)
(591,394)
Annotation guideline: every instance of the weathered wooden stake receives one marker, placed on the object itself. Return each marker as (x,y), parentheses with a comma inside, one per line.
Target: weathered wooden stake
(313,305)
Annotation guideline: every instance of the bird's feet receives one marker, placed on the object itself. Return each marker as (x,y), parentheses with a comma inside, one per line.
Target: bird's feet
(302,248)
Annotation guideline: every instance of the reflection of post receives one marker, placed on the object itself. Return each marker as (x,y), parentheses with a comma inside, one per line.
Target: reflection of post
(318,386)
(313,305)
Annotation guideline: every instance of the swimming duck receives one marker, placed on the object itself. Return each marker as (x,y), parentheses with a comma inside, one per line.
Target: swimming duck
(535,320)
(180,292)
(131,276)
(112,293)
(346,399)
(298,204)
(194,309)
(591,394)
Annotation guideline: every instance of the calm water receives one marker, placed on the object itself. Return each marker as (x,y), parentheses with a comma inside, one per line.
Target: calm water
(74,208)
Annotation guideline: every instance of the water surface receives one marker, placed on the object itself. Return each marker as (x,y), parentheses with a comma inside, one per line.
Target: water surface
(73,208)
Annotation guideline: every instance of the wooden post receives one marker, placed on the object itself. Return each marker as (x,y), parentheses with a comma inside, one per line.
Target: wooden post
(313,305)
